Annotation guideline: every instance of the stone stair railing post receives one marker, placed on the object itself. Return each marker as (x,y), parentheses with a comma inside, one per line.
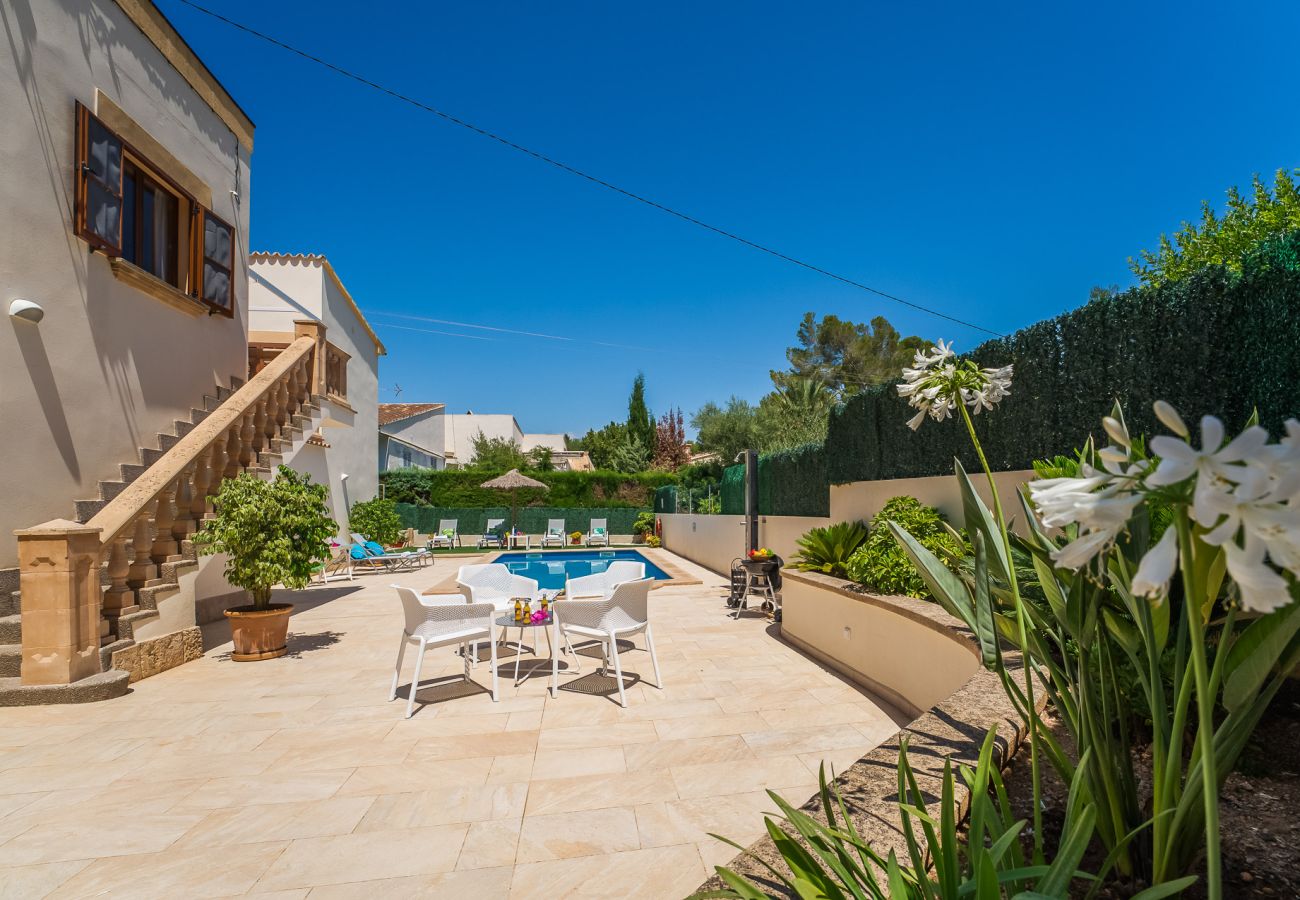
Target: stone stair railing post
(59,562)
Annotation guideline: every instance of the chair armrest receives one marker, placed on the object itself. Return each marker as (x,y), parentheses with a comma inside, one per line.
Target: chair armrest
(523,586)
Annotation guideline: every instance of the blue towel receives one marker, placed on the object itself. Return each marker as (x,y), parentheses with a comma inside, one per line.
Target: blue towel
(358,552)
(375,549)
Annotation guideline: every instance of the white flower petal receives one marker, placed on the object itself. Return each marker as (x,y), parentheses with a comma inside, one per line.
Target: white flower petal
(1157,567)
(1171,420)
(1211,434)
(1077,553)
(1262,589)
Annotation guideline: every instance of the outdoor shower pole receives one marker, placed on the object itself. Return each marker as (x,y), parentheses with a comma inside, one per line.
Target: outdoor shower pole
(751,500)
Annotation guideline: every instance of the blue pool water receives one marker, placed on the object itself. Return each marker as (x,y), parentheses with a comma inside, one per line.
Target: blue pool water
(549,570)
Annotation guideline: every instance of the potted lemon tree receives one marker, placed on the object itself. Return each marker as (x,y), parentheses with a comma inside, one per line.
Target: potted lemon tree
(273,533)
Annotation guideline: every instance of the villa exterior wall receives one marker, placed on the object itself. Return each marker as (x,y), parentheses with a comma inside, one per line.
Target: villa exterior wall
(461,429)
(110,366)
(425,430)
(285,288)
(863,499)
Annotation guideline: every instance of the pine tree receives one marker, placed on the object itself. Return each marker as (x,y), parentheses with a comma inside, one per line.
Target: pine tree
(640,422)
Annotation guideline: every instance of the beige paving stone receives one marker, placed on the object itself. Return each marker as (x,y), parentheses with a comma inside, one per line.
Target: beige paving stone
(504,743)
(583,736)
(598,792)
(792,742)
(277,786)
(506,769)
(816,716)
(416,776)
(366,856)
(35,882)
(665,754)
(277,822)
(765,700)
(64,776)
(708,726)
(196,872)
(566,835)
(490,844)
(738,776)
(116,836)
(568,763)
(479,884)
(445,806)
(632,875)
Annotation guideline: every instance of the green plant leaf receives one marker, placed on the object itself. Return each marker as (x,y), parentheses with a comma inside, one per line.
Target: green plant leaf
(1255,652)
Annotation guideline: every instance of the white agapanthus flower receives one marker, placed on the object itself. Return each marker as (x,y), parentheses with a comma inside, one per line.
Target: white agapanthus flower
(934,384)
(1245,496)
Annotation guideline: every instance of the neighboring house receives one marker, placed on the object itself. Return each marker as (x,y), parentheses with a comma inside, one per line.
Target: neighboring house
(460,430)
(411,435)
(286,289)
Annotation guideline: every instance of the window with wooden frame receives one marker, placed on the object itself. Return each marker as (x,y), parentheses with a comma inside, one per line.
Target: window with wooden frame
(129,209)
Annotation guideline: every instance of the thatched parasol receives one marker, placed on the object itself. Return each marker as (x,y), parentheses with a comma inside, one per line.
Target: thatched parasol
(513,481)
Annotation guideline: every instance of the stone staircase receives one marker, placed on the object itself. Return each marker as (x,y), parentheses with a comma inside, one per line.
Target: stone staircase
(118,627)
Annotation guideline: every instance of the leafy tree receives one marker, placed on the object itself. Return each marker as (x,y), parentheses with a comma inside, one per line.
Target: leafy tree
(671,452)
(540,459)
(630,456)
(601,444)
(496,454)
(640,423)
(376,519)
(795,415)
(846,356)
(726,430)
(273,532)
(1223,240)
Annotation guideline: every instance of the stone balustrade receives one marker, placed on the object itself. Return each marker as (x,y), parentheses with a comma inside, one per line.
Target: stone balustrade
(66,608)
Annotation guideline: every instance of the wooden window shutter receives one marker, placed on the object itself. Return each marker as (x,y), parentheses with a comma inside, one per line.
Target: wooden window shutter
(216,262)
(98,181)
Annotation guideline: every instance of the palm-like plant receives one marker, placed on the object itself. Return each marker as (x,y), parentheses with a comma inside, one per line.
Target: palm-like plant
(827,550)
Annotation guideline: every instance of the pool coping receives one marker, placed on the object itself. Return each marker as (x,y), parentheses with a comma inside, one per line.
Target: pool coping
(664,559)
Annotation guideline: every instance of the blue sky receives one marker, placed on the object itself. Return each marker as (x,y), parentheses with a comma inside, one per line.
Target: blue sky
(993,163)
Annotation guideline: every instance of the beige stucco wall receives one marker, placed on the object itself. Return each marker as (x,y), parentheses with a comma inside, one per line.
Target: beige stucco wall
(109,367)
(426,431)
(282,290)
(714,541)
(462,428)
(907,659)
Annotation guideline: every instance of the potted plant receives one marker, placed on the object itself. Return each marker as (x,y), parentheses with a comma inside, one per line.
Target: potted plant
(272,532)
(576,539)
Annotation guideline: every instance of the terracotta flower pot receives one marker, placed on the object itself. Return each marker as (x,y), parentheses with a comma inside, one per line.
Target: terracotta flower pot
(259,633)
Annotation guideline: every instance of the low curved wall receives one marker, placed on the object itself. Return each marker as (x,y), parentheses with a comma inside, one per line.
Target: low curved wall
(895,647)
(910,652)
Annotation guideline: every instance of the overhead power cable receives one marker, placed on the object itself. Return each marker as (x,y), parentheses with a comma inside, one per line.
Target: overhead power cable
(397,95)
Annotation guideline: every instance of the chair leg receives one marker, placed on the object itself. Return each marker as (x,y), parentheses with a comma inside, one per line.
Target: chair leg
(466,665)
(492,649)
(618,670)
(397,669)
(654,659)
(415,683)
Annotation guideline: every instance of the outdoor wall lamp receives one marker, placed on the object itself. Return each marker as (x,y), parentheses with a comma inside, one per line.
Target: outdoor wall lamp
(343,477)
(26,310)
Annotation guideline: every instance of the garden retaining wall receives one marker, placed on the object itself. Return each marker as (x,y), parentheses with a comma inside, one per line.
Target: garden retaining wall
(909,652)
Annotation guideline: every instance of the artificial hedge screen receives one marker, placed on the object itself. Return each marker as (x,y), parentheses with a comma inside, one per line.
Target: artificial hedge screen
(1215,343)
(472,521)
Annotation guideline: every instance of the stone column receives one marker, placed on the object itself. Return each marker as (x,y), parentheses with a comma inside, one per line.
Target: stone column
(247,439)
(259,425)
(142,567)
(233,445)
(59,562)
(315,331)
(164,545)
(118,595)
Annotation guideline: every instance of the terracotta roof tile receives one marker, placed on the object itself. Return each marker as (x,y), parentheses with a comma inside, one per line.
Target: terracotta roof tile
(395,412)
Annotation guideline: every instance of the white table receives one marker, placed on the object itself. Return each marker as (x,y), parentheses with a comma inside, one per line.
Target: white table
(507,622)
(512,541)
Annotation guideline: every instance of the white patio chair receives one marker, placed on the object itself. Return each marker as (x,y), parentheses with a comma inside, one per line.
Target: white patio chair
(442,539)
(598,536)
(624,614)
(490,536)
(441,622)
(495,584)
(554,533)
(602,584)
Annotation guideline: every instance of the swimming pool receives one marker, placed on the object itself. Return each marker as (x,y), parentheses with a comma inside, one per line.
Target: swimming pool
(550,570)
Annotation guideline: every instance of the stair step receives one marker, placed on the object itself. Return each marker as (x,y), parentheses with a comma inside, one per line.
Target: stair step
(108,490)
(131,471)
(198,415)
(172,571)
(182,428)
(11,629)
(149,456)
(150,596)
(106,651)
(167,441)
(11,660)
(86,509)
(126,625)
(11,603)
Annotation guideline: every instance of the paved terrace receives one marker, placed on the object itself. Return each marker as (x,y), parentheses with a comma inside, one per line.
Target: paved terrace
(296,777)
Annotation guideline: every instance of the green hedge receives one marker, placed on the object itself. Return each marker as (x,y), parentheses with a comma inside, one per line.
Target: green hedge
(1216,343)
(589,490)
(532,519)
(666,499)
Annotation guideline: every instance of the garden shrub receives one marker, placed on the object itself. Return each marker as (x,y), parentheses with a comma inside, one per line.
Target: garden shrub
(881,564)
(376,519)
